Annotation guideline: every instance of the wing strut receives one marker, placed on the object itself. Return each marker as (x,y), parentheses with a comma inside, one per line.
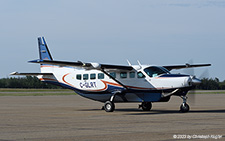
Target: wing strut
(169,94)
(114,79)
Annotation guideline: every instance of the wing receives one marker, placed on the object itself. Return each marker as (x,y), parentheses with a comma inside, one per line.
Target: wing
(31,74)
(185,66)
(83,65)
(106,66)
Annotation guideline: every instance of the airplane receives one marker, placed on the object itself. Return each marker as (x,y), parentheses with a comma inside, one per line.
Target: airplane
(112,84)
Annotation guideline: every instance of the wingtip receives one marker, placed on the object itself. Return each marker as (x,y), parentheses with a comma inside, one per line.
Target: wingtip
(14,73)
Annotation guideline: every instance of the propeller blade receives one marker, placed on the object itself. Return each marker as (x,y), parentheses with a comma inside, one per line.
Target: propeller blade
(204,74)
(191,97)
(196,81)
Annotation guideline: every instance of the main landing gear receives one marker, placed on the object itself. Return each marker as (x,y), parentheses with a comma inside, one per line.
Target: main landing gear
(146,106)
(109,106)
(184,107)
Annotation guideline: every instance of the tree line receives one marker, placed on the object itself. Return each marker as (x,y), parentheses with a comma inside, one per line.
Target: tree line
(34,82)
(211,84)
(28,82)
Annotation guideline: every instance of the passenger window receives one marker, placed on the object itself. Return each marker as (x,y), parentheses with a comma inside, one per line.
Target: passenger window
(113,74)
(123,75)
(132,74)
(93,76)
(78,76)
(140,75)
(85,76)
(101,76)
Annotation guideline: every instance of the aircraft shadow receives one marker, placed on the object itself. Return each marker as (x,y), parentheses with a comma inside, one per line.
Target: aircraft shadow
(116,110)
(156,112)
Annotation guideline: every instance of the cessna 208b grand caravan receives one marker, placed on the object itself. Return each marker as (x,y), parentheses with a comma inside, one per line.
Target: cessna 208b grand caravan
(116,83)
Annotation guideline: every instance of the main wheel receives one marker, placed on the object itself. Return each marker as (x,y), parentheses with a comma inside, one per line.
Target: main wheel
(146,106)
(109,106)
(184,108)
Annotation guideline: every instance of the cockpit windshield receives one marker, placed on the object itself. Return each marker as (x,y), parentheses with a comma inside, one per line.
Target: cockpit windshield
(155,71)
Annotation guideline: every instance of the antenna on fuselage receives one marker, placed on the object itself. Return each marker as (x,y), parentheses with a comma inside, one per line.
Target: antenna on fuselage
(139,63)
(129,62)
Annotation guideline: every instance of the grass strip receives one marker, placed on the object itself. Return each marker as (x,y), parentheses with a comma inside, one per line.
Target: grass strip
(207,92)
(35,94)
(34,90)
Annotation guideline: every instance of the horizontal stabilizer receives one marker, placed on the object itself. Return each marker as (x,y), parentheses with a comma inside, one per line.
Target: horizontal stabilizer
(30,74)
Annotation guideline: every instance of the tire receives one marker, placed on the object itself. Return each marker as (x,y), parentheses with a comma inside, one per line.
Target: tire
(184,108)
(109,106)
(146,106)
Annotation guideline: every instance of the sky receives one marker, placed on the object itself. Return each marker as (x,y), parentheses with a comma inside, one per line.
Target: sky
(155,32)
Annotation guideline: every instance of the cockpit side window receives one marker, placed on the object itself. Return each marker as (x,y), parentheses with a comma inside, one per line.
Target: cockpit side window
(155,71)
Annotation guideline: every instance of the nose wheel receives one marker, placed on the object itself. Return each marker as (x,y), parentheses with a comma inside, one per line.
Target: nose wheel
(184,106)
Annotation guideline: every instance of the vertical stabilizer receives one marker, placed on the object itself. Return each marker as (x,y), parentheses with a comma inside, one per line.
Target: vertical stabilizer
(43,49)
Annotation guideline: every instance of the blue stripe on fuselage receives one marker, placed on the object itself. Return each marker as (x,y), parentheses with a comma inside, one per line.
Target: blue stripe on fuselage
(174,75)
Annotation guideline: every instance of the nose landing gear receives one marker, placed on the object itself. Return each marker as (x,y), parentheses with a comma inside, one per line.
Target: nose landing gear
(184,106)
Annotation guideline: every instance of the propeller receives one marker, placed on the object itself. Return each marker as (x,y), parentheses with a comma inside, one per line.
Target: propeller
(205,74)
(195,81)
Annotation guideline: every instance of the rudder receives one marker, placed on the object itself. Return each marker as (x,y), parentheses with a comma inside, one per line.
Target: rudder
(43,49)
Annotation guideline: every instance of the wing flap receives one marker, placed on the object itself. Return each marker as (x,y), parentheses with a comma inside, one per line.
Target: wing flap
(105,66)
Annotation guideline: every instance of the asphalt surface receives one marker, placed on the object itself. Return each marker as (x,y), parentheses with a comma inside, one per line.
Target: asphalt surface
(77,118)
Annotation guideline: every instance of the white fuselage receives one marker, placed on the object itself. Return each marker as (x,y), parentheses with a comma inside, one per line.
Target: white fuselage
(96,81)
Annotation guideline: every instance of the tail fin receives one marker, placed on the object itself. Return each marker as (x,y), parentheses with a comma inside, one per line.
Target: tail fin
(43,49)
